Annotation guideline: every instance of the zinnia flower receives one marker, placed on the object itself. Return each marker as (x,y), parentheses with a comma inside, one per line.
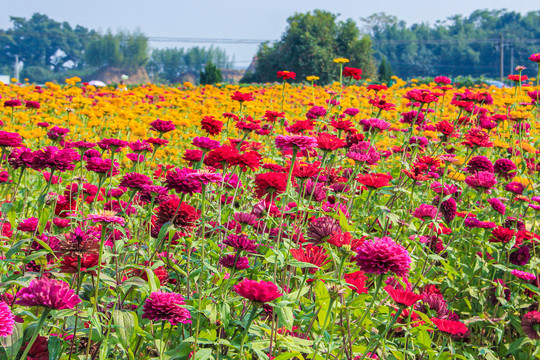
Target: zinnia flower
(106,217)
(241,242)
(285,142)
(357,281)
(383,255)
(6,320)
(270,184)
(261,292)
(497,205)
(53,294)
(233,262)
(523,275)
(135,181)
(402,297)
(450,327)
(531,324)
(162,306)
(8,139)
(162,126)
(481,181)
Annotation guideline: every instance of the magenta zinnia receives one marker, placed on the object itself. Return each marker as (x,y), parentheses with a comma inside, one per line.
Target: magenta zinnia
(383,255)
(261,292)
(166,307)
(6,320)
(53,294)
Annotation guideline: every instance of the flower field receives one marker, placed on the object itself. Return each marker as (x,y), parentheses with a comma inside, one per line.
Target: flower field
(278,221)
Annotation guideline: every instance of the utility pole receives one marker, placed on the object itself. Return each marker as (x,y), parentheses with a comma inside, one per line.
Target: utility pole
(502,57)
(511,60)
(16,67)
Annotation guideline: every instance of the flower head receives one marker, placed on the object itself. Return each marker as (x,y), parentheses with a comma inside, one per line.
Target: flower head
(402,297)
(450,327)
(162,306)
(53,294)
(6,320)
(261,292)
(383,255)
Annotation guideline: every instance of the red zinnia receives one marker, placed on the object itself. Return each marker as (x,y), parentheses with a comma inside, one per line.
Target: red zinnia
(450,327)
(286,75)
(402,297)
(374,181)
(271,184)
(241,97)
(352,72)
(211,125)
(311,254)
(357,281)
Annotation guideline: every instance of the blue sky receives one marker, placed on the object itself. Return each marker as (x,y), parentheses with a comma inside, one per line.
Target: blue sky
(235,19)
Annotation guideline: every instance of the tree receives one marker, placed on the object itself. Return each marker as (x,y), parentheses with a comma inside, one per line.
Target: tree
(210,75)
(168,64)
(125,49)
(385,71)
(308,46)
(43,42)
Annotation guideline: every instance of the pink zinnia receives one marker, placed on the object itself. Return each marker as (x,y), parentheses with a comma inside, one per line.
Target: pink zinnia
(6,320)
(8,139)
(481,181)
(28,225)
(50,293)
(241,242)
(261,292)
(205,143)
(204,177)
(285,142)
(162,306)
(425,212)
(383,255)
(135,181)
(374,124)
(531,324)
(231,261)
(523,275)
(106,217)
(162,126)
(497,205)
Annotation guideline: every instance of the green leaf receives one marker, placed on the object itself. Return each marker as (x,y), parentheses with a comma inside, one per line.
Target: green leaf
(43,220)
(343,221)
(55,346)
(423,339)
(126,323)
(285,316)
(287,356)
(13,343)
(203,354)
(517,345)
(153,280)
(15,248)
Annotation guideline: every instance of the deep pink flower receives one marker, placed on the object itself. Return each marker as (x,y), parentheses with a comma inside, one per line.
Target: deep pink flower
(505,168)
(479,163)
(205,143)
(101,166)
(204,177)
(135,181)
(12,103)
(497,205)
(481,181)
(523,275)
(162,126)
(28,225)
(241,242)
(55,159)
(285,142)
(50,293)
(383,255)
(232,262)
(425,212)
(112,144)
(376,125)
(106,217)
(261,292)
(21,157)
(8,139)
(177,179)
(162,306)
(6,320)
(530,323)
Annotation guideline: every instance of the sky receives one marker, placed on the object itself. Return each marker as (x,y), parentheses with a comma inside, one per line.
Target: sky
(221,22)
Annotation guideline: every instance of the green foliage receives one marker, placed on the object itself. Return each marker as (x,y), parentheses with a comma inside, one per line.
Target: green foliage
(385,71)
(308,46)
(458,46)
(210,75)
(43,42)
(126,50)
(169,64)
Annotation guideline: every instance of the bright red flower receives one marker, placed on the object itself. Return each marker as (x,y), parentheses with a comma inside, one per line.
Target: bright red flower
(241,97)
(352,72)
(261,292)
(286,75)
(450,327)
(311,254)
(402,297)
(357,281)
(211,125)
(329,142)
(501,234)
(374,180)
(270,184)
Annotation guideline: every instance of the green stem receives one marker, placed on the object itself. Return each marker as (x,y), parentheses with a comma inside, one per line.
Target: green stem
(44,315)
(244,336)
